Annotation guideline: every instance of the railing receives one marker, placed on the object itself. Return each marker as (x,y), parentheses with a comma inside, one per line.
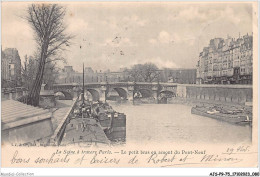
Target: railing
(59,132)
(115,83)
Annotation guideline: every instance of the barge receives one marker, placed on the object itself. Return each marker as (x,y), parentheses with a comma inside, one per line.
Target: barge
(237,116)
(90,122)
(112,122)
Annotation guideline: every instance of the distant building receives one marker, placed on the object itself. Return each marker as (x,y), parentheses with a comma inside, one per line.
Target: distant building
(68,75)
(89,70)
(10,68)
(121,76)
(226,61)
(68,69)
(180,76)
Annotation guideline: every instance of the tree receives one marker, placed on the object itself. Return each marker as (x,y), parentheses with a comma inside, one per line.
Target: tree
(147,72)
(50,74)
(47,22)
(150,72)
(136,73)
(29,69)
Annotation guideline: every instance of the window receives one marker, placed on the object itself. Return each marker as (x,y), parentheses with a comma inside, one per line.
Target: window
(11,69)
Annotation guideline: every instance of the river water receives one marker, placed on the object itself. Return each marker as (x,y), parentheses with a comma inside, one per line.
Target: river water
(174,123)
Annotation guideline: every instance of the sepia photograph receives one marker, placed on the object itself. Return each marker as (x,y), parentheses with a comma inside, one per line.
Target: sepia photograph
(129,84)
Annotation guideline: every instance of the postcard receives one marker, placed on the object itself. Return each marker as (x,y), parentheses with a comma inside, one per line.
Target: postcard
(129,84)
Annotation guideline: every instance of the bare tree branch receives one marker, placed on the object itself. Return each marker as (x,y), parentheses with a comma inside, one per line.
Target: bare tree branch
(47,23)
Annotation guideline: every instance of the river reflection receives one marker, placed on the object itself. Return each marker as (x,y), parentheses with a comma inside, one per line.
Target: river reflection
(172,123)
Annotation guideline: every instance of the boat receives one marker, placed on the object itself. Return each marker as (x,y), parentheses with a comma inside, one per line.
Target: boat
(117,131)
(103,112)
(112,122)
(226,116)
(93,122)
(214,111)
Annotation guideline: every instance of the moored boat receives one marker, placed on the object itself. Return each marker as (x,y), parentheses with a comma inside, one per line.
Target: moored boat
(234,117)
(89,122)
(103,112)
(117,132)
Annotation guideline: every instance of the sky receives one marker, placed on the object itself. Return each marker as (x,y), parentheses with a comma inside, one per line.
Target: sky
(117,35)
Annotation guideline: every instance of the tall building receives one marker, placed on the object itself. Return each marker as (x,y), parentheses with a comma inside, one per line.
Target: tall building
(10,68)
(226,61)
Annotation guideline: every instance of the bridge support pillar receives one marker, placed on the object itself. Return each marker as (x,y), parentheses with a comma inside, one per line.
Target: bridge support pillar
(130,95)
(155,95)
(130,92)
(102,96)
(10,96)
(75,95)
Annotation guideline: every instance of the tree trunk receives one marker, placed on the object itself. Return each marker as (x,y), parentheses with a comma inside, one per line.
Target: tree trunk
(34,94)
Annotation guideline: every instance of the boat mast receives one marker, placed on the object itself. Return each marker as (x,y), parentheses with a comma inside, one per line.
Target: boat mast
(83,90)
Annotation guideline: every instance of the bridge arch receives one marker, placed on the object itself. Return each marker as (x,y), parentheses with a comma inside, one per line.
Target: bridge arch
(119,91)
(63,95)
(165,96)
(143,93)
(94,93)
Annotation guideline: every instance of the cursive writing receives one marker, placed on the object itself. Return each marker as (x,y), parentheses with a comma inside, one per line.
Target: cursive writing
(16,159)
(217,158)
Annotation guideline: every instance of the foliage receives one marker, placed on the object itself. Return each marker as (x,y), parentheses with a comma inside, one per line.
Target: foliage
(29,70)
(147,72)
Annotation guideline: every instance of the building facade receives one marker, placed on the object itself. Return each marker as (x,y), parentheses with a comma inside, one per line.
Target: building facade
(226,61)
(10,68)
(180,76)
(68,75)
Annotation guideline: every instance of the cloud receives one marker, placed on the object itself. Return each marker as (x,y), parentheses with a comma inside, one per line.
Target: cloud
(158,61)
(110,22)
(78,26)
(162,63)
(122,24)
(192,13)
(161,33)
(229,14)
(134,20)
(152,41)
(165,38)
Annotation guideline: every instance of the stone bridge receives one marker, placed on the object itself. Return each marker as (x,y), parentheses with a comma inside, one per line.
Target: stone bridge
(126,90)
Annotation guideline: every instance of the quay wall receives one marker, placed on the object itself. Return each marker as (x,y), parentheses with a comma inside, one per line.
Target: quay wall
(238,94)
